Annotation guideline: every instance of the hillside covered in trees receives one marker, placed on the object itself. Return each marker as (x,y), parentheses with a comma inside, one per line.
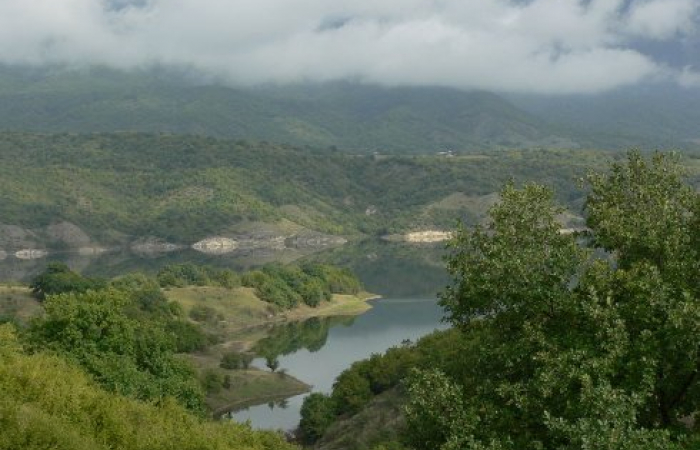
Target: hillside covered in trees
(355,117)
(125,186)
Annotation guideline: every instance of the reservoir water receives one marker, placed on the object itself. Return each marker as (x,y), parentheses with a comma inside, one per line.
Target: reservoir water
(389,323)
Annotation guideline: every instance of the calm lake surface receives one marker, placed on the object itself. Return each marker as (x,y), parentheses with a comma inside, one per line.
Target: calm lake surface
(387,324)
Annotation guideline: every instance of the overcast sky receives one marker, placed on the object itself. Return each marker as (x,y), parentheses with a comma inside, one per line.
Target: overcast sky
(550,46)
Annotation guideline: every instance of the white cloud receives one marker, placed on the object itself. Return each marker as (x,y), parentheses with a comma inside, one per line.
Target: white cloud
(661,19)
(558,46)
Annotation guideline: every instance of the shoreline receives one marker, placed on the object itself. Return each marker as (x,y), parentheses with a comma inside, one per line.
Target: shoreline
(241,405)
(244,320)
(251,321)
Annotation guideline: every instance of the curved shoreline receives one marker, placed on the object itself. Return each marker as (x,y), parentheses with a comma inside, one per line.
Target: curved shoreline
(245,319)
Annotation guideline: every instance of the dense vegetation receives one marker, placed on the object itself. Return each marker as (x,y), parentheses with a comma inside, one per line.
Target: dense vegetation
(284,286)
(556,345)
(288,286)
(355,117)
(124,333)
(116,345)
(48,402)
(120,187)
(188,274)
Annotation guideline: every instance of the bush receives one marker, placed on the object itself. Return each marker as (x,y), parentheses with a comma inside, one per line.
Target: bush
(48,402)
(235,361)
(317,414)
(188,336)
(351,392)
(59,279)
(212,381)
(287,286)
(132,357)
(181,275)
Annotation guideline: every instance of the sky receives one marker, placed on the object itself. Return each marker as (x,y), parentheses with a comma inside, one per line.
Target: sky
(523,46)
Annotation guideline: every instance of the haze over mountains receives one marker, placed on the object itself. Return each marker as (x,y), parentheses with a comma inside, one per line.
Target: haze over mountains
(351,116)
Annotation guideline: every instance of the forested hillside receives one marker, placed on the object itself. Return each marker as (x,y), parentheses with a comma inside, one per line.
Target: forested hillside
(356,118)
(123,186)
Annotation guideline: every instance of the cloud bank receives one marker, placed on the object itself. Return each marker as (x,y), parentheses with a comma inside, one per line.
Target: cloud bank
(542,46)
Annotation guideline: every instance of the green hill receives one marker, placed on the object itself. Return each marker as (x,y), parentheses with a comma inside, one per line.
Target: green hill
(125,186)
(353,117)
(652,115)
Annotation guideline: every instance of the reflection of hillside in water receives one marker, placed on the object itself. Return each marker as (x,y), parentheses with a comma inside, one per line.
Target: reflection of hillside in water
(112,264)
(291,337)
(392,269)
(389,269)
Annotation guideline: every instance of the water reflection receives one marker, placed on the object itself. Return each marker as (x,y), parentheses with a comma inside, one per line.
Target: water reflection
(396,270)
(389,269)
(389,323)
(288,338)
(113,263)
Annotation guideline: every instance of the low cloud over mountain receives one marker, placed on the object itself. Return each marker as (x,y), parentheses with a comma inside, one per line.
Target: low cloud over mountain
(539,46)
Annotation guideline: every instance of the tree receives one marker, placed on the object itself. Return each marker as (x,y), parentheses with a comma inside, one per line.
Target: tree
(128,356)
(235,361)
(272,363)
(58,278)
(573,351)
(317,414)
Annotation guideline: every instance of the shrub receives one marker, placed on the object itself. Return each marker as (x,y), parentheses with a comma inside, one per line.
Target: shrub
(235,361)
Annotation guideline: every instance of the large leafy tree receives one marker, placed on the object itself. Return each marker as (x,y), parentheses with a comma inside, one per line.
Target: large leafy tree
(579,347)
(131,357)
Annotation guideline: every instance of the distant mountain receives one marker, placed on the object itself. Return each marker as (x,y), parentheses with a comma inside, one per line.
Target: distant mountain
(652,115)
(352,117)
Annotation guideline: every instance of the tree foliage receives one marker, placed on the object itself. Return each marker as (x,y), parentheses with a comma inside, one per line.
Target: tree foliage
(317,414)
(290,285)
(133,357)
(181,275)
(49,402)
(58,278)
(574,351)
(186,188)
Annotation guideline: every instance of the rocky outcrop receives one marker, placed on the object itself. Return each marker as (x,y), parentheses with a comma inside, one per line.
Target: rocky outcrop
(31,253)
(67,237)
(312,240)
(64,236)
(270,241)
(216,245)
(260,241)
(91,251)
(428,236)
(152,246)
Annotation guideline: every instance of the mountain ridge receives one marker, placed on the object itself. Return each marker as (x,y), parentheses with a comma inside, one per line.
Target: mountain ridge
(357,118)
